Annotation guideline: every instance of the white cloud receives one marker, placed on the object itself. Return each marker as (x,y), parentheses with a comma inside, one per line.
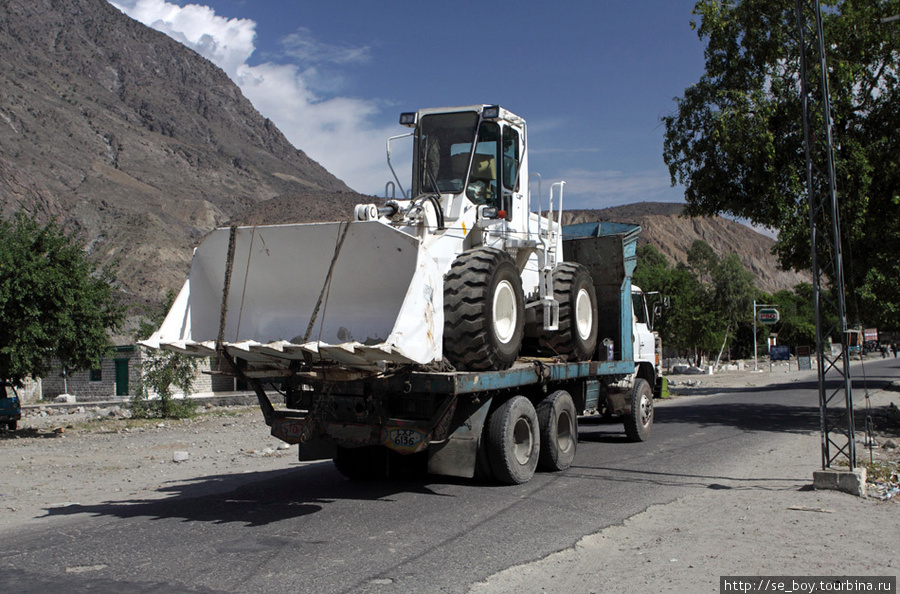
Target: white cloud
(335,131)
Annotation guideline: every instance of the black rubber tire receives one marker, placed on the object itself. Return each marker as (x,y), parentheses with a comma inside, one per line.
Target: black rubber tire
(362,464)
(558,424)
(576,339)
(11,425)
(640,421)
(514,441)
(484,311)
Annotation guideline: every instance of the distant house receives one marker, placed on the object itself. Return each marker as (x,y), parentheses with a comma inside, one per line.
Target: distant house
(118,378)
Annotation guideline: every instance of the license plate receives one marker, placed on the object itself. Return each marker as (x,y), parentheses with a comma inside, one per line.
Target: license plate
(406,440)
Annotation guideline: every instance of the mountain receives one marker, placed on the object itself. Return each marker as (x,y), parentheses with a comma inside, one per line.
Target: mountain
(143,147)
(132,139)
(664,226)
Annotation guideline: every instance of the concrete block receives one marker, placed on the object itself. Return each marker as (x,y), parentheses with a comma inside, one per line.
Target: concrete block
(846,480)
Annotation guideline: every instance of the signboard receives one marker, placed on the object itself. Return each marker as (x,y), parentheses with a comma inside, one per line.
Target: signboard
(870,334)
(804,360)
(768,316)
(780,353)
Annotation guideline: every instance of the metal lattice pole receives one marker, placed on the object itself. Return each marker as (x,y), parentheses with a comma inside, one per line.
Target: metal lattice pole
(835,388)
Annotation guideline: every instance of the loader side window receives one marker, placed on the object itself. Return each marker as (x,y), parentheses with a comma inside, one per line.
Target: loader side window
(510,158)
(482,187)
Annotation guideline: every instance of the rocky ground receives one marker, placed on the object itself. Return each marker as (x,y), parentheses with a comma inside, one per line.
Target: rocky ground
(93,454)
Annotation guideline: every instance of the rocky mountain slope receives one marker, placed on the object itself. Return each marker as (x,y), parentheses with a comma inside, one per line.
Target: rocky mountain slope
(143,146)
(133,139)
(665,227)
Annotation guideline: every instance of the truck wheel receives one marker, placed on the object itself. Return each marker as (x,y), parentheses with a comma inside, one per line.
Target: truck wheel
(559,431)
(361,464)
(484,311)
(639,422)
(576,338)
(12,425)
(514,442)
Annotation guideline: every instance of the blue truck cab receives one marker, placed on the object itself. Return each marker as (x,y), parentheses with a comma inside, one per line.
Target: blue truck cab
(10,407)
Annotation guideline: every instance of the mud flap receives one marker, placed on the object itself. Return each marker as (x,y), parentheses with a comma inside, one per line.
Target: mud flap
(457,455)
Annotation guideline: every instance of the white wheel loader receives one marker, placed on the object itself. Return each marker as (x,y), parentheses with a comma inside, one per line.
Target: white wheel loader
(402,331)
(452,270)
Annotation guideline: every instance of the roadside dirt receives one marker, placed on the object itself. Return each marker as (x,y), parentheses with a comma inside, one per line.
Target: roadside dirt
(95,456)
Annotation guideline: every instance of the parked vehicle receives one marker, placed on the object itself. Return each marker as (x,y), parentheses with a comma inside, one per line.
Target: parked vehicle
(460,322)
(10,407)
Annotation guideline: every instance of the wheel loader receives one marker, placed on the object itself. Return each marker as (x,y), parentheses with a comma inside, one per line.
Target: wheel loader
(456,323)
(463,269)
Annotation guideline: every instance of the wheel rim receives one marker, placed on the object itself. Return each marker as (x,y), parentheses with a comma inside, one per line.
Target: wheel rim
(564,437)
(646,410)
(522,441)
(505,311)
(584,314)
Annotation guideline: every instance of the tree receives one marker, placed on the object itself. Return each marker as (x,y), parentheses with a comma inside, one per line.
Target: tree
(736,139)
(797,324)
(160,371)
(690,324)
(54,302)
(733,291)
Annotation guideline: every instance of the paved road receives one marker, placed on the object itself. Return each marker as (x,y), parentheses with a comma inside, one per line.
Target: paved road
(309,530)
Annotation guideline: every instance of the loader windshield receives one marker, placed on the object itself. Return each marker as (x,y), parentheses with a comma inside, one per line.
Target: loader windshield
(444,147)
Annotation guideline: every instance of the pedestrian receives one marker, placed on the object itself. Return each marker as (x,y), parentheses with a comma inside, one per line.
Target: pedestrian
(884,351)
(894,348)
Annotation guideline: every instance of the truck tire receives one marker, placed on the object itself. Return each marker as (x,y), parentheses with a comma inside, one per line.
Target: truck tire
(640,421)
(484,311)
(514,442)
(558,423)
(12,425)
(362,464)
(576,339)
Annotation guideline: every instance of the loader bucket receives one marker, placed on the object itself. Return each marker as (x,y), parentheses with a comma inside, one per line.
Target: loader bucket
(360,294)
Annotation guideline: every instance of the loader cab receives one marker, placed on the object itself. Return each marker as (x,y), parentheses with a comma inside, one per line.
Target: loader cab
(472,154)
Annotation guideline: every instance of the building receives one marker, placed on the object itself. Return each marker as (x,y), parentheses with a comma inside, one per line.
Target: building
(117,377)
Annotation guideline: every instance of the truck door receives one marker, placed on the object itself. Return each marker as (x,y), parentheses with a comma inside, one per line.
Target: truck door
(644,341)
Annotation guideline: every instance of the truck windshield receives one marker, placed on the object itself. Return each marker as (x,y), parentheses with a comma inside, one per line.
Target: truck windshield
(443,148)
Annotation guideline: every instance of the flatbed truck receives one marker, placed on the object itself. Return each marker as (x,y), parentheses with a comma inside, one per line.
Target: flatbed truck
(497,424)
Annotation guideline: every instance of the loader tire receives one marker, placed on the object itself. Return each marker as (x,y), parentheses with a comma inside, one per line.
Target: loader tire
(484,311)
(513,441)
(576,339)
(639,422)
(558,423)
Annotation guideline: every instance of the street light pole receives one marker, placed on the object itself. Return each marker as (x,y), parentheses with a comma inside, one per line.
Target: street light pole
(755,348)
(756,306)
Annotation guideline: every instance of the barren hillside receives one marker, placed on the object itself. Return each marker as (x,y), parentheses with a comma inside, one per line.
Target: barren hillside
(664,226)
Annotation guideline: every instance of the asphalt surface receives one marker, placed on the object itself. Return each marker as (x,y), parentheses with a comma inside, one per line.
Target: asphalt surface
(307,529)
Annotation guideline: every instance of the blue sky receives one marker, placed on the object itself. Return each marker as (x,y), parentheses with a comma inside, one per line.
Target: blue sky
(592,78)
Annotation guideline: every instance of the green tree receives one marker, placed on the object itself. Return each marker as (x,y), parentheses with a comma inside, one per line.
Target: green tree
(736,139)
(689,325)
(162,372)
(54,302)
(797,323)
(734,289)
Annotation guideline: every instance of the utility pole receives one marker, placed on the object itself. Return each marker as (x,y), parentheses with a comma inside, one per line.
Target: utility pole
(835,389)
